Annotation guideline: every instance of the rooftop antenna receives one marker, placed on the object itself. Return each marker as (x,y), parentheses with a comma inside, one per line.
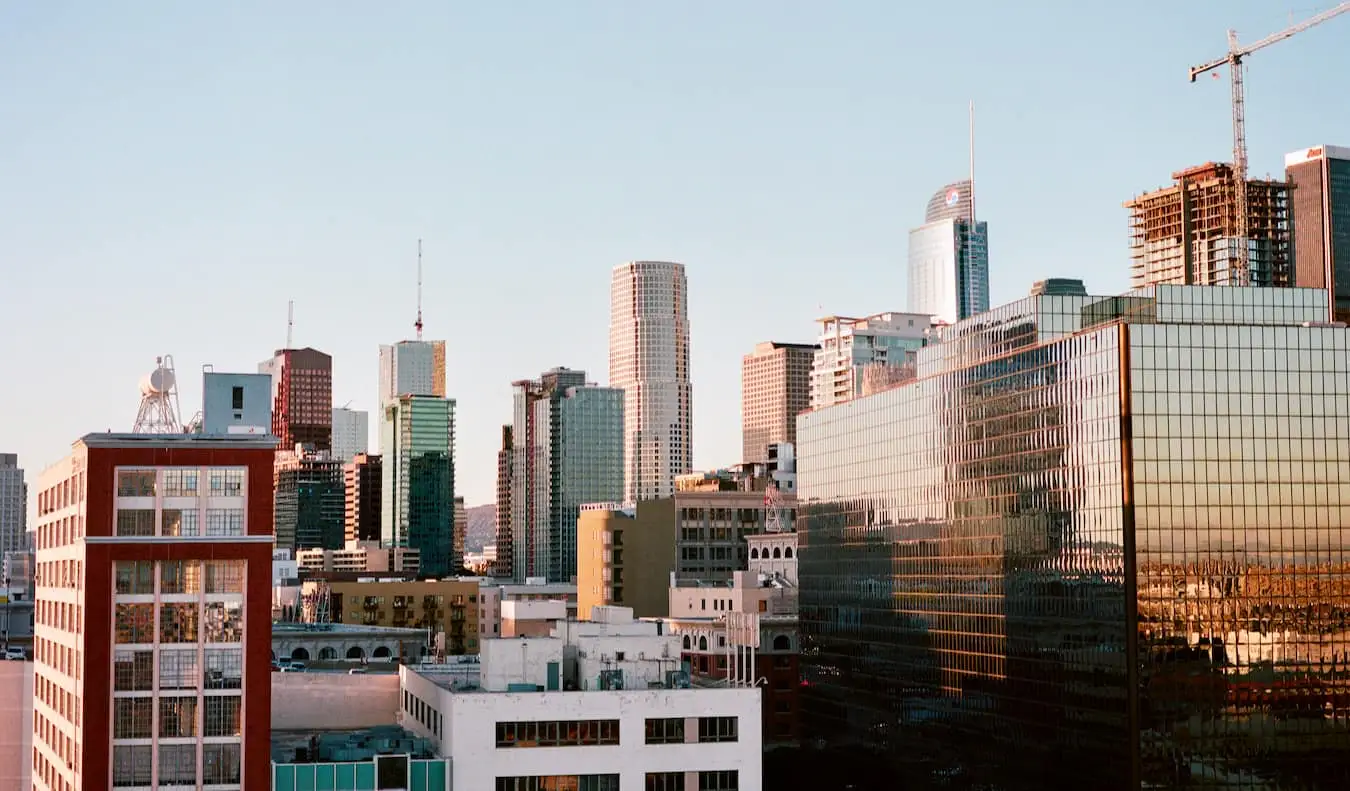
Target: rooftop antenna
(418,323)
(972,166)
(290,323)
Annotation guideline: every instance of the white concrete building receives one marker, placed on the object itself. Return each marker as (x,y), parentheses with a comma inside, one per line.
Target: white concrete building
(492,596)
(13,506)
(649,361)
(606,702)
(848,345)
(412,368)
(351,433)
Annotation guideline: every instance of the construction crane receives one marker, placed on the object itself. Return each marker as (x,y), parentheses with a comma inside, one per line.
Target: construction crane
(1241,273)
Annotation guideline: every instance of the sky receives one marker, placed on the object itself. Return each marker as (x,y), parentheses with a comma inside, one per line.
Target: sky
(171,174)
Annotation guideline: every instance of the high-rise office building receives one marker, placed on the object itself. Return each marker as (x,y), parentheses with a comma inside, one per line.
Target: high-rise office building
(1185,234)
(302,397)
(418,465)
(13,506)
(412,368)
(502,565)
(363,481)
(849,346)
(649,361)
(152,641)
(351,433)
(1096,537)
(461,529)
(949,258)
(568,450)
(310,509)
(775,386)
(1321,180)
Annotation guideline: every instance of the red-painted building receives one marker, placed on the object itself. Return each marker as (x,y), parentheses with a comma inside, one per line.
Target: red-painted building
(152,639)
(302,397)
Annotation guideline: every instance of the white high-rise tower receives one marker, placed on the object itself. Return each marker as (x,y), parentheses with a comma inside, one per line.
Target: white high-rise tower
(649,361)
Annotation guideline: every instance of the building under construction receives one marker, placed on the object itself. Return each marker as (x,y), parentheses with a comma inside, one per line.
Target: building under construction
(1185,233)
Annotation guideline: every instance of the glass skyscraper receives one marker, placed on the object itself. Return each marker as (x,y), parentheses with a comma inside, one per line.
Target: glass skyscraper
(418,466)
(1321,201)
(949,258)
(1099,542)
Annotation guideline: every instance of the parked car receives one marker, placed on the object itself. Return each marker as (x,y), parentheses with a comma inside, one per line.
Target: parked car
(14,652)
(356,671)
(293,667)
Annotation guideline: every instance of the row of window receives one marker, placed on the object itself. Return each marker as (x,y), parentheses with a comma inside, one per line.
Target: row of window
(557,733)
(133,718)
(181,622)
(133,765)
(179,668)
(137,577)
(174,522)
(179,482)
(671,730)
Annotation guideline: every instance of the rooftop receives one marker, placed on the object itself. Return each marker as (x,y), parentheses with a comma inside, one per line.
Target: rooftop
(351,630)
(123,440)
(316,746)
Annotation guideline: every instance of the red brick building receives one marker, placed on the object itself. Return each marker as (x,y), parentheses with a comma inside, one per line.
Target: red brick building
(302,397)
(152,640)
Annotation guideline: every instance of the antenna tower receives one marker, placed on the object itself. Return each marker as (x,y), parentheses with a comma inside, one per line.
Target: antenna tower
(290,323)
(159,401)
(418,324)
(773,510)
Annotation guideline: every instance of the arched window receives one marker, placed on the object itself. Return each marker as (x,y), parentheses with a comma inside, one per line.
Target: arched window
(754,553)
(782,643)
(300,655)
(777,553)
(328,652)
(787,553)
(355,652)
(703,643)
(381,652)
(687,642)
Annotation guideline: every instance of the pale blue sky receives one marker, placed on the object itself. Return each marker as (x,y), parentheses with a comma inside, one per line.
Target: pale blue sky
(172,172)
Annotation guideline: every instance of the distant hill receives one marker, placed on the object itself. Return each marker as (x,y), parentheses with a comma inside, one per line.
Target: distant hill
(482,527)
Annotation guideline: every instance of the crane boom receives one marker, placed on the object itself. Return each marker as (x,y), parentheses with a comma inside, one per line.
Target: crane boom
(1241,271)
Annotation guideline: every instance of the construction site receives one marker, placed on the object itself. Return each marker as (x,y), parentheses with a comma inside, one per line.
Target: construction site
(1188,233)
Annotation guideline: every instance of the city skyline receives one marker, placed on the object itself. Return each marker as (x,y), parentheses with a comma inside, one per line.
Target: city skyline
(281,208)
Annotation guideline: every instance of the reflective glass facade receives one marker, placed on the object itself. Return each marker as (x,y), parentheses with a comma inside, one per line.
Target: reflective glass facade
(1112,555)
(418,498)
(949,269)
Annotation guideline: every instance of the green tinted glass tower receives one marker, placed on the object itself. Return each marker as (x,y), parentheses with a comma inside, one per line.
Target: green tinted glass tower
(418,438)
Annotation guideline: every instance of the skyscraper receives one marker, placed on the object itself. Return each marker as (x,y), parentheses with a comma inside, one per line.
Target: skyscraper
(152,641)
(412,368)
(363,481)
(775,386)
(461,529)
(1185,234)
(1321,198)
(302,397)
(418,464)
(503,566)
(567,450)
(948,258)
(13,506)
(351,433)
(848,346)
(649,361)
(311,500)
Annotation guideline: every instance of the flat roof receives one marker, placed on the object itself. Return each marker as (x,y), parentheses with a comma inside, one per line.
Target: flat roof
(343,629)
(127,440)
(378,740)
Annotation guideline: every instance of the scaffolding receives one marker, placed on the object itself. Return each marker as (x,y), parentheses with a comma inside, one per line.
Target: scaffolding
(1187,233)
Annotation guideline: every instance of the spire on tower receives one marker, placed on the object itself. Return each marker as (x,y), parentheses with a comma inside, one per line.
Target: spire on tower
(418,324)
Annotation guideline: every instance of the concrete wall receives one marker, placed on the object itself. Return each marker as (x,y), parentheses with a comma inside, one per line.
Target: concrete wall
(334,701)
(16,725)
(521,660)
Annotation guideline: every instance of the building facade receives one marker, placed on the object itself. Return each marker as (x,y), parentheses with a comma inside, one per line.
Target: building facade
(418,465)
(363,480)
(447,607)
(775,387)
(412,368)
(502,565)
(1186,234)
(302,397)
(461,528)
(849,347)
(310,495)
(154,557)
(649,362)
(568,450)
(1097,537)
(949,258)
(351,433)
(13,506)
(236,403)
(1320,178)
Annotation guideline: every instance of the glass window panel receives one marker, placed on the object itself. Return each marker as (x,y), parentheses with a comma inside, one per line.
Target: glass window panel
(178,622)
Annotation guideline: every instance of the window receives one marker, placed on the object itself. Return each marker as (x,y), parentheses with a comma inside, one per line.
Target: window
(131,765)
(135,483)
(132,718)
(717,781)
(136,522)
(133,671)
(179,523)
(224,622)
(665,781)
(178,764)
(180,483)
(224,668)
(716,729)
(178,668)
(222,715)
(557,733)
(220,762)
(226,482)
(665,730)
(224,522)
(179,576)
(178,623)
(559,783)
(135,623)
(177,718)
(224,576)
(236,398)
(135,577)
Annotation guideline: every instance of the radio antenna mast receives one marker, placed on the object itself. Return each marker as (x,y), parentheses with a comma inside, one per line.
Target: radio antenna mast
(418,324)
(290,323)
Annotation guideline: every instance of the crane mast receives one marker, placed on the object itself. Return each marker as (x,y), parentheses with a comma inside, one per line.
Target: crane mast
(1241,266)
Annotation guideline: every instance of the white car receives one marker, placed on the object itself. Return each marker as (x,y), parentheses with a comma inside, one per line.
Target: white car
(15,653)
